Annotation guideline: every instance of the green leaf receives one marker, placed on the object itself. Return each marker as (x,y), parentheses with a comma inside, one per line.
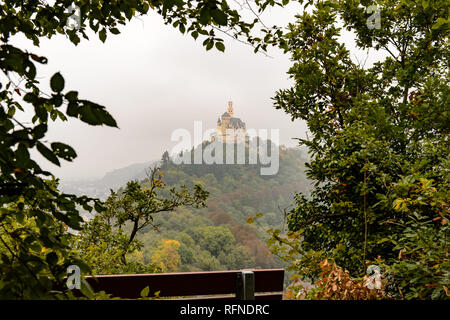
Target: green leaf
(30,70)
(39,131)
(204,16)
(72,95)
(86,289)
(22,156)
(57,82)
(74,38)
(11,111)
(93,26)
(41,113)
(52,258)
(30,97)
(47,153)
(72,109)
(98,207)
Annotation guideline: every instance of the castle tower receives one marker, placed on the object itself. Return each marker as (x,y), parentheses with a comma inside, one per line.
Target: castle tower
(230,108)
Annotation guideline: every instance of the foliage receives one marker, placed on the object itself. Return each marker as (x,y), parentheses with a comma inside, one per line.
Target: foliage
(371,127)
(217,237)
(102,247)
(25,194)
(34,250)
(336,284)
(167,256)
(105,244)
(197,18)
(422,267)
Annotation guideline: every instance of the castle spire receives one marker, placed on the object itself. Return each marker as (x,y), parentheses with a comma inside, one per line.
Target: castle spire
(230,108)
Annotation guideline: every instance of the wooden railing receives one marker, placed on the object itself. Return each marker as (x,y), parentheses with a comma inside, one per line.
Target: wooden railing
(266,284)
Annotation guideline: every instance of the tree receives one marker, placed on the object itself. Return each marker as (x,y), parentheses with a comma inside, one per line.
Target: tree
(167,256)
(371,128)
(104,242)
(25,193)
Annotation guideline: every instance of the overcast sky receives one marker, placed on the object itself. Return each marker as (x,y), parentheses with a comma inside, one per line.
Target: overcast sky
(154,80)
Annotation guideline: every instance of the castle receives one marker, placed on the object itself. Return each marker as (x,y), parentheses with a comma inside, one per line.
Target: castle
(229,128)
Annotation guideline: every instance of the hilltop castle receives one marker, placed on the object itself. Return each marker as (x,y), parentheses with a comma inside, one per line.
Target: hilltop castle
(229,128)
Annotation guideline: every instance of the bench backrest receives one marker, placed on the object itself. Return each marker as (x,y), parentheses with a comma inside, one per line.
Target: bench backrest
(236,284)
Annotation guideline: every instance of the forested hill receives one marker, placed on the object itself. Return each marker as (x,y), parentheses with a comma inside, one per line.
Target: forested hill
(218,237)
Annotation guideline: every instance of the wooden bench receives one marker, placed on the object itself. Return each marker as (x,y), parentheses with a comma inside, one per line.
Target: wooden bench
(266,284)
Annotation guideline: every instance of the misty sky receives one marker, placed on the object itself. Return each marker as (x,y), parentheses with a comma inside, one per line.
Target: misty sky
(154,80)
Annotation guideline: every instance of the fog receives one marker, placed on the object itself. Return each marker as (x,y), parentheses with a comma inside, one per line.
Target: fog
(154,80)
